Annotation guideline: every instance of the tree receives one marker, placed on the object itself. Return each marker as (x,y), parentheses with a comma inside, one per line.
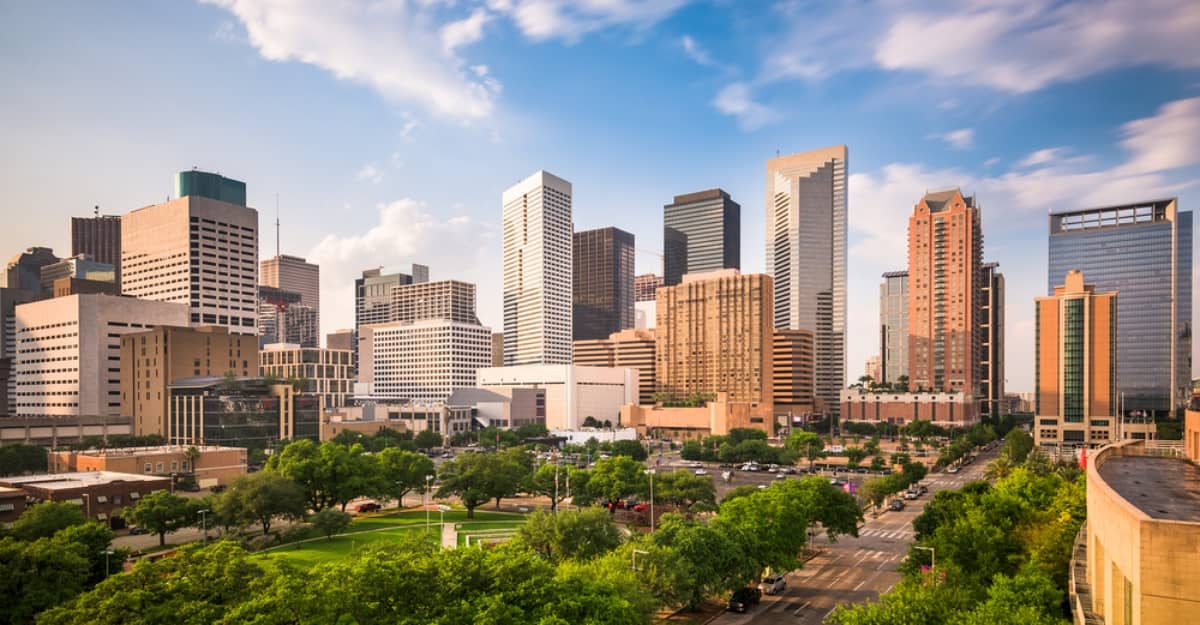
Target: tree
(300,460)
(684,489)
(1017,445)
(617,478)
(330,522)
(632,449)
(38,575)
(709,561)
(739,491)
(807,444)
(477,478)
(163,513)
(570,535)
(737,435)
(550,480)
(401,472)
(91,540)
(427,439)
(46,519)
(20,458)
(329,473)
(260,498)
(531,430)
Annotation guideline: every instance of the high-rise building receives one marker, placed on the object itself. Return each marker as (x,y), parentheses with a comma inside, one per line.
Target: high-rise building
(792,372)
(893,326)
(945,256)
(537,271)
(98,237)
(69,354)
(295,274)
(991,376)
(714,335)
(1143,251)
(443,299)
(702,232)
(422,361)
(1076,375)
(9,300)
(283,318)
(873,369)
(497,349)
(603,283)
(806,256)
(645,285)
(24,271)
(340,339)
(150,360)
(80,268)
(324,372)
(196,250)
(628,348)
(373,296)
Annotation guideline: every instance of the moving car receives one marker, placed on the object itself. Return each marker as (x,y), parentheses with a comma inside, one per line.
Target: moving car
(369,506)
(772,585)
(700,472)
(743,598)
(908,494)
(952,470)
(135,530)
(896,505)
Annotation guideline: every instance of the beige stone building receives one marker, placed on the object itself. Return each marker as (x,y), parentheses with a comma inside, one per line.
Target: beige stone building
(715,334)
(792,372)
(151,360)
(634,349)
(325,372)
(714,418)
(210,465)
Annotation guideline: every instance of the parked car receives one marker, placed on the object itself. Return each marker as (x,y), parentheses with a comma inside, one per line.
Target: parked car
(923,489)
(896,505)
(772,585)
(953,469)
(781,476)
(369,506)
(908,494)
(743,598)
(641,507)
(217,488)
(700,472)
(135,530)
(789,470)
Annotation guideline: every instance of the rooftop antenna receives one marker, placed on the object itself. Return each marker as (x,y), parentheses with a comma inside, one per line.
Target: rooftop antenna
(276,225)
(96,210)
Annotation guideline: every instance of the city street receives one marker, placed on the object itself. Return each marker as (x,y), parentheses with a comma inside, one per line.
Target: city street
(852,570)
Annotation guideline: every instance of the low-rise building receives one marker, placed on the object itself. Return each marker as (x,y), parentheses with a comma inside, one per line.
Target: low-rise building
(101,494)
(325,372)
(209,465)
(12,504)
(509,407)
(56,431)
(950,410)
(371,415)
(573,393)
(240,412)
(628,348)
(714,418)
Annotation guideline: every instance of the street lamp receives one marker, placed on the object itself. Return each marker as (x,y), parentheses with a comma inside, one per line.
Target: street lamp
(106,552)
(173,474)
(204,525)
(932,560)
(428,482)
(650,472)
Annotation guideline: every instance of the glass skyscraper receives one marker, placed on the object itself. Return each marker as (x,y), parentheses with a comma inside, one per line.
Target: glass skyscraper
(702,232)
(1143,251)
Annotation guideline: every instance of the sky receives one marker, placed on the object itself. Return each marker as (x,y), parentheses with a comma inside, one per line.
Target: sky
(385,131)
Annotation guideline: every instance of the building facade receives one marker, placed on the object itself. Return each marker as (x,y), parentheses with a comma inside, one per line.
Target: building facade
(240,412)
(714,335)
(340,339)
(79,268)
(324,372)
(602,301)
(9,300)
(24,270)
(1143,251)
(572,393)
(150,360)
(793,386)
(702,232)
(644,286)
(806,255)
(68,351)
(991,317)
(873,369)
(100,238)
(373,293)
(893,326)
(949,409)
(632,349)
(284,318)
(197,251)
(422,361)
(292,273)
(207,464)
(945,254)
(443,299)
(537,267)
(102,495)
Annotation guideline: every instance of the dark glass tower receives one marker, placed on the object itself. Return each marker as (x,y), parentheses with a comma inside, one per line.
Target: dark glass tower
(100,238)
(702,231)
(1143,251)
(602,294)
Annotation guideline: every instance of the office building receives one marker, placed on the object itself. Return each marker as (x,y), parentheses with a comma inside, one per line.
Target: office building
(340,339)
(240,412)
(632,349)
(150,360)
(68,352)
(103,495)
(497,349)
(873,369)
(644,286)
(945,255)
(12,504)
(196,250)
(211,465)
(537,271)
(99,238)
(292,273)
(78,268)
(9,300)
(443,299)
(879,407)
(24,270)
(422,361)
(373,296)
(283,318)
(572,393)
(792,369)
(991,318)
(893,327)
(324,372)
(714,335)
(603,283)
(1143,251)
(702,232)
(806,256)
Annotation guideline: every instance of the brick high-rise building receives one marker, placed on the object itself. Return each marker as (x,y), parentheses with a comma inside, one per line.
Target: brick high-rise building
(602,299)
(702,232)
(100,238)
(295,274)
(714,334)
(792,372)
(645,285)
(634,349)
(945,256)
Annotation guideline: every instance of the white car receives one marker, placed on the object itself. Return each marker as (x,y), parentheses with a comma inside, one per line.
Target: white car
(952,470)
(700,472)
(772,585)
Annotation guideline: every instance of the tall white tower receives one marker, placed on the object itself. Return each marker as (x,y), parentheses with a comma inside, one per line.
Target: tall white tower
(806,254)
(537,271)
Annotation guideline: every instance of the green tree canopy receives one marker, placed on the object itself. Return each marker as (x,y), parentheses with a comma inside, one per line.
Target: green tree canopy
(45,519)
(427,439)
(617,478)
(632,449)
(330,522)
(477,478)
(163,513)
(684,489)
(401,472)
(261,498)
(570,535)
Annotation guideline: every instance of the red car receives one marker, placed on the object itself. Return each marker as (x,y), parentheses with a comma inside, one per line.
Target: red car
(370,506)
(641,507)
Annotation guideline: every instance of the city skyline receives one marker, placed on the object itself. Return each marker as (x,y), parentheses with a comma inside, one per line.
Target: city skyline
(1045,140)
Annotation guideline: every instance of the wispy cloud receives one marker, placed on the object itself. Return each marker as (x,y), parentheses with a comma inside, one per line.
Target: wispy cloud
(694,51)
(735,100)
(960,139)
(369,173)
(568,20)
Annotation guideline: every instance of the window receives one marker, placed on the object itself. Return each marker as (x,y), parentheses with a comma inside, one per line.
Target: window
(174,465)
(160,467)
(149,468)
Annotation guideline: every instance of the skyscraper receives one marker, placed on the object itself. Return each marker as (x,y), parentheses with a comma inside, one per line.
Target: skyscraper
(196,250)
(24,271)
(893,326)
(945,256)
(644,286)
(100,238)
(373,296)
(284,318)
(1143,251)
(537,271)
(806,255)
(295,274)
(702,232)
(603,283)
(991,319)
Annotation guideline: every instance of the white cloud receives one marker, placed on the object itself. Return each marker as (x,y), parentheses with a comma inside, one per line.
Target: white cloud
(568,20)
(735,100)
(960,139)
(465,31)
(1041,157)
(396,48)
(1169,140)
(370,173)
(695,51)
(406,232)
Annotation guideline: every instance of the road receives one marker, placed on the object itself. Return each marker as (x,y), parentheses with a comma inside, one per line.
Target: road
(852,570)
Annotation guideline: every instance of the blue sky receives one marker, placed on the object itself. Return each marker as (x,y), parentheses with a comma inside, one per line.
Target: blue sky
(388,129)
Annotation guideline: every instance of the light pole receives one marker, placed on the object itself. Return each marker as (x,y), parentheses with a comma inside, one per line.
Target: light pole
(204,525)
(428,482)
(932,560)
(173,483)
(87,505)
(106,552)
(650,472)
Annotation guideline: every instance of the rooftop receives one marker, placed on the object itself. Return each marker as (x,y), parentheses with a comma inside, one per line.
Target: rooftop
(79,479)
(114,452)
(1162,488)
